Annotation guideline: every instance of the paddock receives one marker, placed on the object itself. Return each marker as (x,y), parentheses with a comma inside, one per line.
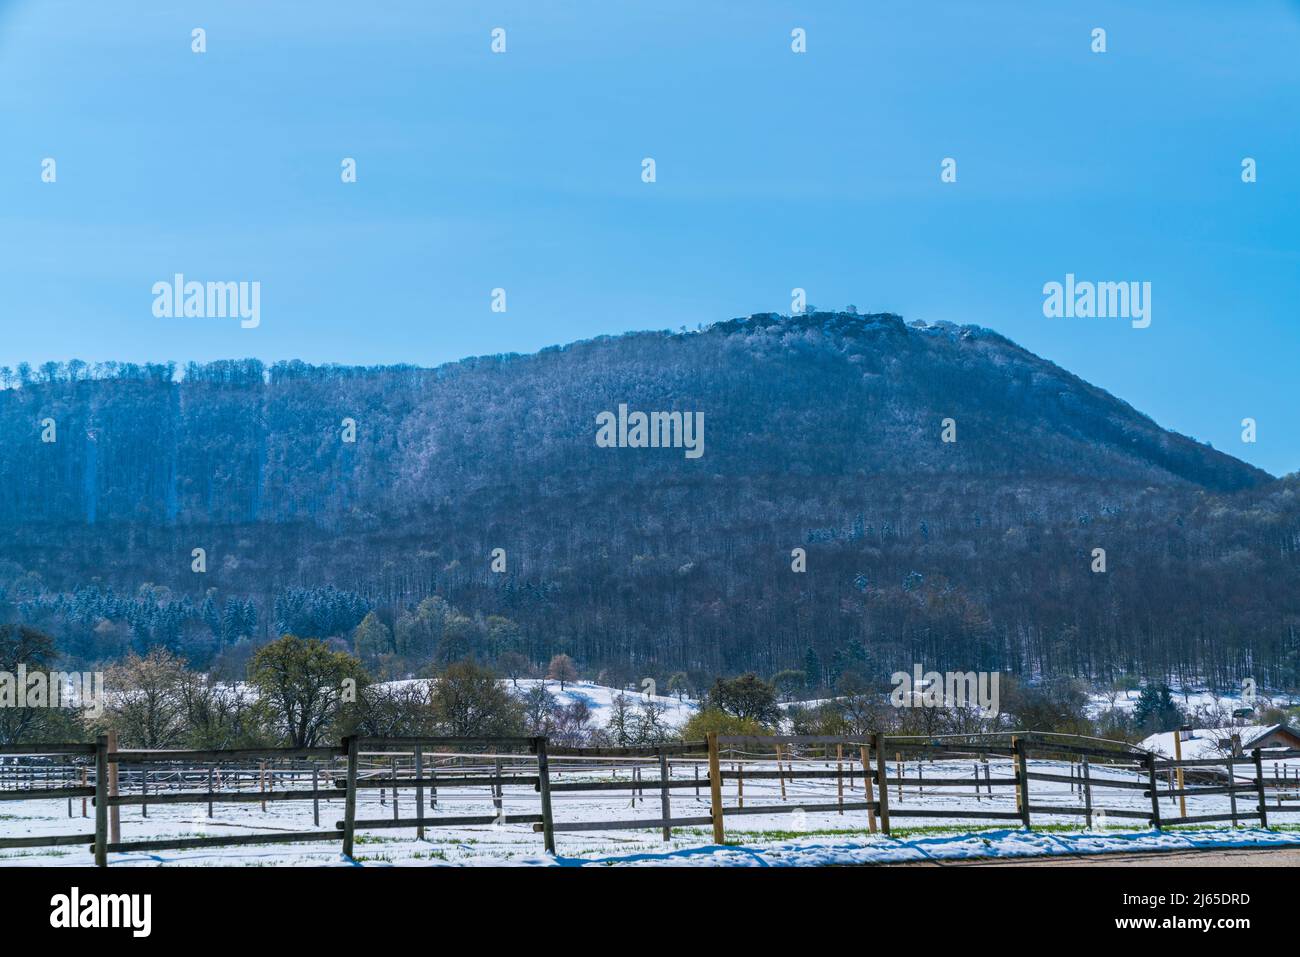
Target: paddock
(426,800)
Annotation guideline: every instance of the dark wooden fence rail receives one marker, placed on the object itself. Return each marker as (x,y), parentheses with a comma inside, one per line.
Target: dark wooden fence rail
(426,765)
(106,801)
(1114,758)
(659,758)
(420,747)
(1021,749)
(1257,784)
(28,794)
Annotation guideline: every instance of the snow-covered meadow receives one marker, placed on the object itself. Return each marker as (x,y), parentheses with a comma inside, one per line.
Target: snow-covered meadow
(600,700)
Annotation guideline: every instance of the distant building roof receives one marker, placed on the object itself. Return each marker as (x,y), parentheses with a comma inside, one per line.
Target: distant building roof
(1206,742)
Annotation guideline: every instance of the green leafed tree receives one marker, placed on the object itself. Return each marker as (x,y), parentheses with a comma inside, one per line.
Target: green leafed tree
(712,720)
(372,639)
(35,649)
(469,701)
(305,684)
(748,697)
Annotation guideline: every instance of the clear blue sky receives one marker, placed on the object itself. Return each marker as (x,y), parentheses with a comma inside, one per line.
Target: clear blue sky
(775,170)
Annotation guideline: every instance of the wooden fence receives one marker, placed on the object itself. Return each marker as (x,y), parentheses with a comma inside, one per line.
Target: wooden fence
(424,766)
(873,756)
(498,750)
(67,751)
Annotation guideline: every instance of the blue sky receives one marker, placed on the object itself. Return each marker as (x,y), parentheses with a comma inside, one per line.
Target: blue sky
(775,170)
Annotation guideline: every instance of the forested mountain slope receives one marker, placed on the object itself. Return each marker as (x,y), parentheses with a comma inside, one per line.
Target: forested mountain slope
(822,432)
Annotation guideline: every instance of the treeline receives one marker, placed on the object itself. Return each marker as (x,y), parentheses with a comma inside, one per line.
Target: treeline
(302,693)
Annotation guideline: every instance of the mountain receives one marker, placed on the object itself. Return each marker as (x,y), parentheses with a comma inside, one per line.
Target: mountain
(823,432)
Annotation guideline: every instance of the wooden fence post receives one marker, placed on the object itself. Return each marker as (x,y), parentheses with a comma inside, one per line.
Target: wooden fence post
(101,801)
(393,764)
(715,789)
(1014,772)
(867,789)
(114,814)
(1087,790)
(1259,788)
(881,786)
(350,795)
(544,786)
(839,776)
(780,773)
(1022,775)
(419,791)
(211,773)
(1155,798)
(1232,795)
(664,804)
(84,779)
(1178,756)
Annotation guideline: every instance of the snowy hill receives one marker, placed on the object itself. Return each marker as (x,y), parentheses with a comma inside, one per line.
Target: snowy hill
(600,699)
(1196,703)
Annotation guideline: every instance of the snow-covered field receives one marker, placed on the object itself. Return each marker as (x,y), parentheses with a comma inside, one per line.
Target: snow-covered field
(1193,702)
(799,835)
(600,700)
